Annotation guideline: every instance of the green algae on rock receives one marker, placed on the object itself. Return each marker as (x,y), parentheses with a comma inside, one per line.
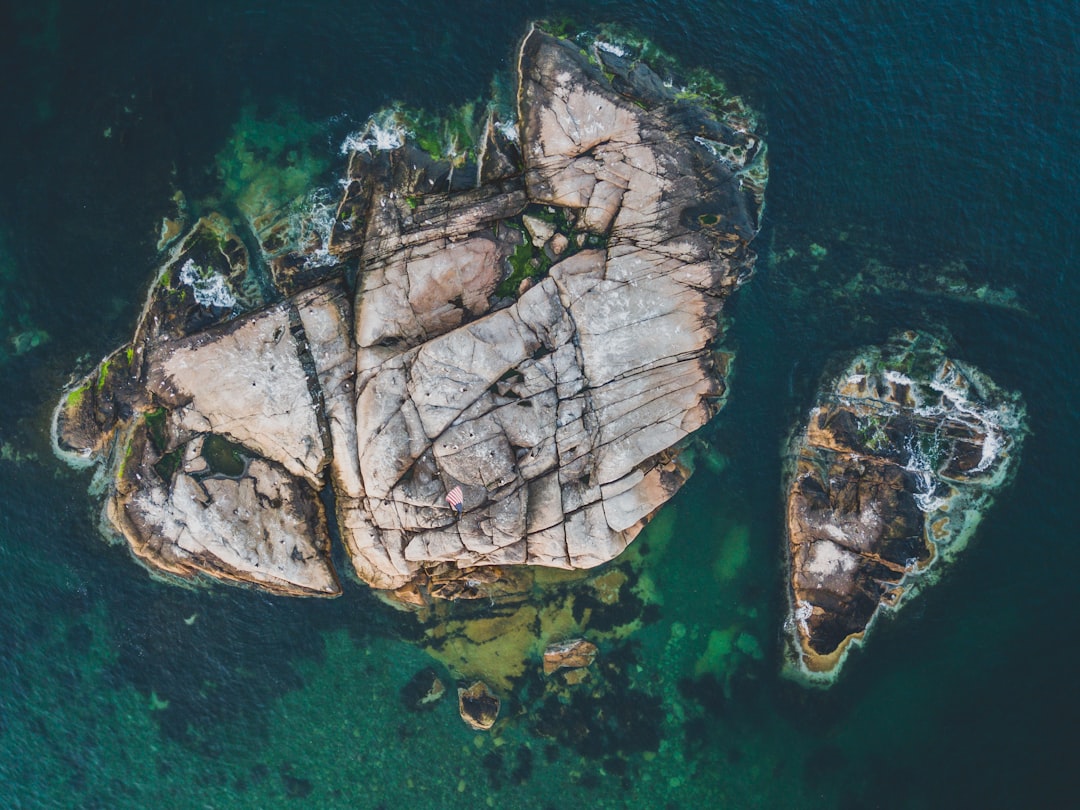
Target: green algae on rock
(557,399)
(898,461)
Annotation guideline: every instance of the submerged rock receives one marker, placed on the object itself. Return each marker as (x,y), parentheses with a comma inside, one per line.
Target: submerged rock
(531,325)
(571,654)
(896,465)
(843,279)
(423,691)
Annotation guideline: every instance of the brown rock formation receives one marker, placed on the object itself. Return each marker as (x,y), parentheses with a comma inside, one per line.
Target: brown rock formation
(571,654)
(889,478)
(478,706)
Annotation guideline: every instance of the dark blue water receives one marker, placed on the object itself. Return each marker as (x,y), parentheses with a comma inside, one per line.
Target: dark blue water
(910,136)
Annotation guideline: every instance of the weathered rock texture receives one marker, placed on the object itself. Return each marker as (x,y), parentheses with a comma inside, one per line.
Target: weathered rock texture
(572,654)
(535,327)
(478,706)
(896,465)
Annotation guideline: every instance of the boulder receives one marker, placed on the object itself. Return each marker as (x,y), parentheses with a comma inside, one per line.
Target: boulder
(478,706)
(556,415)
(423,691)
(571,654)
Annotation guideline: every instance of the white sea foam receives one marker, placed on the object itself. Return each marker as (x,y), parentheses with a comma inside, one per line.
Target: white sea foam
(735,156)
(210,288)
(610,47)
(929,503)
(712,146)
(954,394)
(991,448)
(899,378)
(318,222)
(954,401)
(920,464)
(803,611)
(509,130)
(382,133)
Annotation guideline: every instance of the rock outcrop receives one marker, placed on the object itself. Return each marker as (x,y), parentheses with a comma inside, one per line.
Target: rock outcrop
(897,462)
(531,321)
(572,654)
(478,706)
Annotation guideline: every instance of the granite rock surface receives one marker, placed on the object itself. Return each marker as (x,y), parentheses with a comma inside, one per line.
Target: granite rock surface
(531,321)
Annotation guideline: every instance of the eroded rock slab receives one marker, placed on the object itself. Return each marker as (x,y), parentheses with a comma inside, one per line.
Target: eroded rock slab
(898,461)
(531,320)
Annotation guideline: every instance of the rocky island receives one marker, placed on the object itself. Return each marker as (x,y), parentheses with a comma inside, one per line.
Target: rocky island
(490,358)
(896,464)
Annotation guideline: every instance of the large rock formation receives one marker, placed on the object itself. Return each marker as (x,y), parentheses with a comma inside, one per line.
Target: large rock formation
(531,321)
(897,462)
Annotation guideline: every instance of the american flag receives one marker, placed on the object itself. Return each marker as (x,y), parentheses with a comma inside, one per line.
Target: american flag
(455,499)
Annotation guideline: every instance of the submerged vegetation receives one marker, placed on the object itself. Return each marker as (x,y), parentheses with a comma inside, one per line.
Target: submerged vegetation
(18,332)
(269,161)
(526,262)
(454,136)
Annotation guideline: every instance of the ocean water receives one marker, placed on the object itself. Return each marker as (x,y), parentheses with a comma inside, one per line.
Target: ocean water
(924,165)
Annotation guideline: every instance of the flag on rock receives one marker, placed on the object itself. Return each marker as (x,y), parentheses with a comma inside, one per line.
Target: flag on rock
(455,499)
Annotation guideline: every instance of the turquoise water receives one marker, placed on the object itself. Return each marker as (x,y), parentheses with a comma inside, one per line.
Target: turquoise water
(904,139)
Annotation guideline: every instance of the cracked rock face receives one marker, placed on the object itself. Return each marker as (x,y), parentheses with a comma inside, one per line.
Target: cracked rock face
(533,330)
(898,461)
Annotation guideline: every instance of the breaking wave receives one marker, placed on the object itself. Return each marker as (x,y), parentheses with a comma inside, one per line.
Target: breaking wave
(318,221)
(209,288)
(383,132)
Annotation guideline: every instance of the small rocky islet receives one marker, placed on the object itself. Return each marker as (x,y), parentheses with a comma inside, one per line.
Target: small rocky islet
(522,315)
(894,468)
